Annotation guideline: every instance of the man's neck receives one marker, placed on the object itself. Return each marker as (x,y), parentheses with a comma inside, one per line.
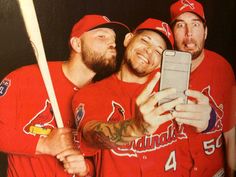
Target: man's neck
(77,72)
(126,75)
(197,61)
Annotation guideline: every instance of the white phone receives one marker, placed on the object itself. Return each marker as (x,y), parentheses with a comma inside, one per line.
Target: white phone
(175,73)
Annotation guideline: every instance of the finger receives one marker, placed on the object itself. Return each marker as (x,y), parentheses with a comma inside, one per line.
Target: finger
(75,158)
(165,93)
(187,115)
(191,102)
(61,156)
(193,108)
(164,118)
(201,98)
(70,171)
(76,167)
(148,89)
(191,122)
(149,105)
(167,106)
(75,164)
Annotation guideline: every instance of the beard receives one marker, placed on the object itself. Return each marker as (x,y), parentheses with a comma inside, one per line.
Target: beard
(195,53)
(98,62)
(137,70)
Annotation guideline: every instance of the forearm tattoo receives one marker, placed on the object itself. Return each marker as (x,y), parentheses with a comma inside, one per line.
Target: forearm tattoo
(110,135)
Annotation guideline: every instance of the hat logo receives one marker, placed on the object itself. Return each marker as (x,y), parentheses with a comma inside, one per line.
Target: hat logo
(186,3)
(165,28)
(105,18)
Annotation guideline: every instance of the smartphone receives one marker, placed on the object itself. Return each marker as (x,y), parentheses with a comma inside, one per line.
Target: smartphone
(175,73)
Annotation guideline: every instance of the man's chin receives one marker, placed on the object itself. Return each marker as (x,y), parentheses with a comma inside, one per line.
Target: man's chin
(110,56)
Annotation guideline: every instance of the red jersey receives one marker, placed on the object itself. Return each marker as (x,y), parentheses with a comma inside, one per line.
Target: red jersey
(214,78)
(150,156)
(26,114)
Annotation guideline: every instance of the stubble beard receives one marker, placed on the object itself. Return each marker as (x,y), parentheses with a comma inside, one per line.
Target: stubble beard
(195,54)
(136,70)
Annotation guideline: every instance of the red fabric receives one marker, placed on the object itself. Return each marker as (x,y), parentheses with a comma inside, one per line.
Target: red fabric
(215,78)
(148,156)
(25,104)
(160,26)
(152,156)
(182,6)
(89,22)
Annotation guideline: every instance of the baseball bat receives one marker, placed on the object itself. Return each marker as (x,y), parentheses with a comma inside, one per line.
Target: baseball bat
(32,27)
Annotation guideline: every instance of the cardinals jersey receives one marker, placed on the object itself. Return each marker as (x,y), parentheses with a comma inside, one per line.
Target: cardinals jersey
(111,100)
(26,114)
(214,78)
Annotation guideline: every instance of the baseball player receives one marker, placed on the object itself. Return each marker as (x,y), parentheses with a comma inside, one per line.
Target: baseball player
(120,121)
(28,130)
(213,77)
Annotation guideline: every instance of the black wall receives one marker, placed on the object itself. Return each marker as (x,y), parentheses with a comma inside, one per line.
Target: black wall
(56,18)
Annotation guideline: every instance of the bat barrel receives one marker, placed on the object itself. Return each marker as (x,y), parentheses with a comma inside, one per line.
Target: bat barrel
(32,27)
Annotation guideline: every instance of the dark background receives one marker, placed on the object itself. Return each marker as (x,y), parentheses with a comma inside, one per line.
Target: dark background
(56,17)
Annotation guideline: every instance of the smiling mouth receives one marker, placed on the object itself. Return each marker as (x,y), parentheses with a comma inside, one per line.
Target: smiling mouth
(143,59)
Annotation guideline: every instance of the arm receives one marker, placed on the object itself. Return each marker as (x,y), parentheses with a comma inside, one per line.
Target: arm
(110,135)
(230,151)
(148,117)
(12,116)
(23,144)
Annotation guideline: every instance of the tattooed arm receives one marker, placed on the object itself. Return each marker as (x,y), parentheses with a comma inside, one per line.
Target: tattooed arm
(147,118)
(110,135)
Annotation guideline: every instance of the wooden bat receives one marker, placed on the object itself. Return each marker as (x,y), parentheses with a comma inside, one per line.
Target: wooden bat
(32,27)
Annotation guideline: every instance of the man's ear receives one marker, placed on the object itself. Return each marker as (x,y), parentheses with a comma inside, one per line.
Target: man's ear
(75,44)
(128,38)
(206,32)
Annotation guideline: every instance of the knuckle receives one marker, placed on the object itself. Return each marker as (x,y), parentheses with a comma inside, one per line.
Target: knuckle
(209,109)
(161,109)
(205,98)
(165,107)
(142,109)
(137,101)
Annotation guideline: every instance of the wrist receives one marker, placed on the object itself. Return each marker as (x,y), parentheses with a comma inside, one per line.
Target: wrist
(141,128)
(43,148)
(40,149)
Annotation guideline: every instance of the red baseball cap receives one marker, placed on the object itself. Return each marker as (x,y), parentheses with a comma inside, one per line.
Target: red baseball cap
(181,6)
(89,22)
(160,27)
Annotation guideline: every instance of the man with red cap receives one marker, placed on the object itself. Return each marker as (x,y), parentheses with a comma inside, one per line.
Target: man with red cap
(213,77)
(120,122)
(28,130)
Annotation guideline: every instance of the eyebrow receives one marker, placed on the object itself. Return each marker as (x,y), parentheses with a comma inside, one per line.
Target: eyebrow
(150,38)
(145,35)
(181,20)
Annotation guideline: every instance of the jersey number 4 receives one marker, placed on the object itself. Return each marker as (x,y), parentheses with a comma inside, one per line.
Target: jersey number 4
(171,162)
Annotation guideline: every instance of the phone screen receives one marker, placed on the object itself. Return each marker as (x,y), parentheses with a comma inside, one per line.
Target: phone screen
(175,73)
